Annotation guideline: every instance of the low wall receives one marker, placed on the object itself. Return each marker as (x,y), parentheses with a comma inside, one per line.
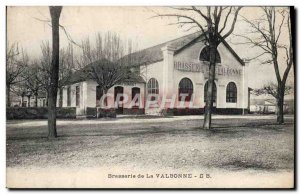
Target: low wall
(231,111)
(96,112)
(133,111)
(38,112)
(183,111)
(200,111)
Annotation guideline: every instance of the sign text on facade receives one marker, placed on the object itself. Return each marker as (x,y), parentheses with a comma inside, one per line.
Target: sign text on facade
(197,67)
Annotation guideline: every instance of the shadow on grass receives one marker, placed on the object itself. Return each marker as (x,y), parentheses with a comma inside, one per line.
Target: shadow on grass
(244,165)
(225,129)
(218,126)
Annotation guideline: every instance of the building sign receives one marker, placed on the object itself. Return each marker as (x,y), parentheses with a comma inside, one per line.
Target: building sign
(197,67)
(187,66)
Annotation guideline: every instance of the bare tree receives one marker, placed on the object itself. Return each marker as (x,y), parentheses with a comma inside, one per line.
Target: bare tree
(271,89)
(216,23)
(267,35)
(55,12)
(16,64)
(20,89)
(109,62)
(66,68)
(33,80)
(45,65)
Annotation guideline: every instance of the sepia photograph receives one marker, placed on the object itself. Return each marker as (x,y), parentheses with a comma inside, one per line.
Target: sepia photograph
(150,97)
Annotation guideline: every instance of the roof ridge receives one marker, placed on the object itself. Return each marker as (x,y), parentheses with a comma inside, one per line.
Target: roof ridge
(166,42)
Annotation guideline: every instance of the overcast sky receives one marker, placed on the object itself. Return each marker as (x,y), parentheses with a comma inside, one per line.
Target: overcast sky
(133,23)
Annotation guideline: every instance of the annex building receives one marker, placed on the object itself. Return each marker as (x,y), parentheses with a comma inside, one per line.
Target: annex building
(176,72)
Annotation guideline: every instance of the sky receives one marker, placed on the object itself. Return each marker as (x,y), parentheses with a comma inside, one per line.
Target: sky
(134,23)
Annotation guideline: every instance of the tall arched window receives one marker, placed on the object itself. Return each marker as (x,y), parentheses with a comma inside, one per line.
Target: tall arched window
(214,94)
(185,89)
(153,88)
(204,55)
(231,92)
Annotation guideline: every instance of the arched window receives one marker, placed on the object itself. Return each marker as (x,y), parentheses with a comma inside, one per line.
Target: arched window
(204,55)
(231,92)
(153,88)
(185,89)
(214,94)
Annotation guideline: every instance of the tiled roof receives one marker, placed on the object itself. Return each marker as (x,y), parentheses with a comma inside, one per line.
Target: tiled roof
(154,54)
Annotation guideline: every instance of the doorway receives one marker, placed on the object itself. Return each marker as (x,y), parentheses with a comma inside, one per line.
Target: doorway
(119,99)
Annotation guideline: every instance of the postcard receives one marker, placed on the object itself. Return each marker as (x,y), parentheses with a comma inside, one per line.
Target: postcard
(192,97)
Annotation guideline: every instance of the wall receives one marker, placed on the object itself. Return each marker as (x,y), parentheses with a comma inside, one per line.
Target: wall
(80,109)
(191,54)
(127,89)
(153,70)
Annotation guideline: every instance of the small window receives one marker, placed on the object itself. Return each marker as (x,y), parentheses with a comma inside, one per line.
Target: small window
(69,96)
(153,88)
(231,93)
(77,96)
(204,55)
(185,90)
(214,94)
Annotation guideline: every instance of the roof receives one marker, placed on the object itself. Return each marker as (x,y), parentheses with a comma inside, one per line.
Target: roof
(154,54)
(151,55)
(81,74)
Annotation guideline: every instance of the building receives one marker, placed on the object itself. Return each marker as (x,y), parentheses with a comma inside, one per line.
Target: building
(176,73)
(268,106)
(28,100)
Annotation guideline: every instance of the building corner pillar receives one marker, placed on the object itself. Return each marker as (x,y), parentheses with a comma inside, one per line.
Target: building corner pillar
(168,70)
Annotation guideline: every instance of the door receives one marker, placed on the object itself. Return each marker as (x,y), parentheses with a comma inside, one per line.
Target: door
(135,95)
(119,99)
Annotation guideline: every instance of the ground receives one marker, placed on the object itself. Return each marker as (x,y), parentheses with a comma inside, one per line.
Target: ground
(236,144)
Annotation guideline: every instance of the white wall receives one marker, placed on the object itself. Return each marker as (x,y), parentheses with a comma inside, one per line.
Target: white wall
(154,70)
(80,110)
(191,54)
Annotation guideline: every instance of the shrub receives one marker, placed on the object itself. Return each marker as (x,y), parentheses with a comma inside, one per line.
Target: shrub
(38,112)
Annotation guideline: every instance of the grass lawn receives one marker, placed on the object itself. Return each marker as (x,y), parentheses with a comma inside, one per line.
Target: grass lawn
(235,144)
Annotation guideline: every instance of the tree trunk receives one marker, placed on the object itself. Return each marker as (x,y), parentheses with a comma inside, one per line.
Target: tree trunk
(8,103)
(211,78)
(52,96)
(104,91)
(280,102)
